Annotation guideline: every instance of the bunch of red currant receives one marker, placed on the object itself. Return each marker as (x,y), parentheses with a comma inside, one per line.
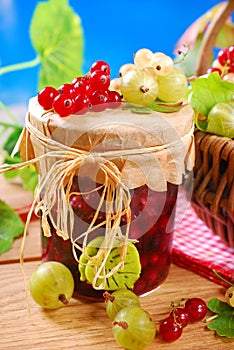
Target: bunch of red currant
(88,92)
(224,64)
(193,310)
(128,318)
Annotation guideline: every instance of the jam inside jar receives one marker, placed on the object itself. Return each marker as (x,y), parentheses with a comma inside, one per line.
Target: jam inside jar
(151,229)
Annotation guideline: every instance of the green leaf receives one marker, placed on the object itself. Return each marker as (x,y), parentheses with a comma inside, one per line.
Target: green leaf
(28,175)
(10,142)
(57,35)
(206,91)
(11,226)
(138,109)
(29,178)
(12,160)
(224,323)
(217,306)
(164,107)
(157,106)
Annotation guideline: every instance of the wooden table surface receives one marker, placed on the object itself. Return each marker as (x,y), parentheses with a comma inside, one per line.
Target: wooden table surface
(83,325)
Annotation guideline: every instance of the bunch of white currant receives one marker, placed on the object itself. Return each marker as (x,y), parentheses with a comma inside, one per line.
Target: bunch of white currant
(152,76)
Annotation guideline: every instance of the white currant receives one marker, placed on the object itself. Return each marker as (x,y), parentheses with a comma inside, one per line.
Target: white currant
(143,58)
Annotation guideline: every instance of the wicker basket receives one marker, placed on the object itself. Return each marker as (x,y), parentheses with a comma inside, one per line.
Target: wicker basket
(213,192)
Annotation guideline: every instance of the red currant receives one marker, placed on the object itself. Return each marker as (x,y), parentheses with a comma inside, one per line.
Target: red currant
(99,100)
(81,79)
(213,69)
(153,258)
(100,65)
(231,69)
(64,105)
(76,201)
(151,274)
(169,330)
(80,206)
(46,97)
(223,56)
(230,55)
(82,104)
(181,316)
(66,89)
(196,308)
(139,201)
(81,87)
(144,261)
(114,98)
(99,80)
(76,80)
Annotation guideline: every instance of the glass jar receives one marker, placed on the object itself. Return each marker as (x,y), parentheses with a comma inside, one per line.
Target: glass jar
(152,223)
(108,192)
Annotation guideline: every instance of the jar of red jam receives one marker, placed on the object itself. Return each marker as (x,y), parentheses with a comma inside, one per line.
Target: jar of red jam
(107,193)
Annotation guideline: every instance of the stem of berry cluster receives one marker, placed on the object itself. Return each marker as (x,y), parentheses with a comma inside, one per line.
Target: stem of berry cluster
(10,125)
(20,66)
(208,42)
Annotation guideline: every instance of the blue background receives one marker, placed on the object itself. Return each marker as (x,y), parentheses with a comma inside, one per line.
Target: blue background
(113,31)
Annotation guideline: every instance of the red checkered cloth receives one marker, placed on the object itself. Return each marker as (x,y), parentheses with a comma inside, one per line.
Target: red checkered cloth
(197,248)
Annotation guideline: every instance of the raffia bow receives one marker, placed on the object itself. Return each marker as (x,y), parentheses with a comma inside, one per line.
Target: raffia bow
(53,193)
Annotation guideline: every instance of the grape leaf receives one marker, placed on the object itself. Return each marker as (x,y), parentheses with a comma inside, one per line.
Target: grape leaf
(11,226)
(224,323)
(56,34)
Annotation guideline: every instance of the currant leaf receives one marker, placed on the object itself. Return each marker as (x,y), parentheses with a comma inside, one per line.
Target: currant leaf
(157,106)
(58,41)
(166,107)
(223,324)
(138,109)
(28,175)
(11,226)
(10,142)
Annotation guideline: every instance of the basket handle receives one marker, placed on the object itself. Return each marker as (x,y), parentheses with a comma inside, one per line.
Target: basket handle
(208,41)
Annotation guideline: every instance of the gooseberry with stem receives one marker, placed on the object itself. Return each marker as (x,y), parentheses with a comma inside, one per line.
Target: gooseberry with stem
(51,285)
